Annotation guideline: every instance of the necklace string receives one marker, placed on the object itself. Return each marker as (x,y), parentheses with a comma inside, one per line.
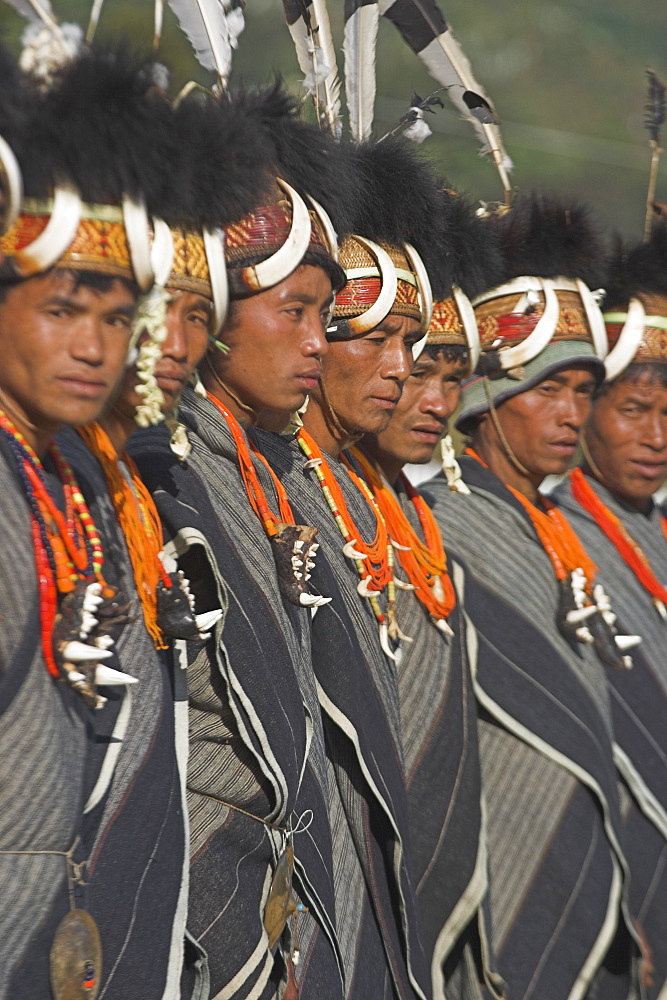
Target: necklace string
(375,564)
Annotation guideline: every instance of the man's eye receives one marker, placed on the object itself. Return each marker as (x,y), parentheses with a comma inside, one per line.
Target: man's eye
(119,321)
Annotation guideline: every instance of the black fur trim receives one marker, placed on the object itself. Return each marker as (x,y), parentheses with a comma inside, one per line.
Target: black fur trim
(105,126)
(547,236)
(305,155)
(474,246)
(402,202)
(639,268)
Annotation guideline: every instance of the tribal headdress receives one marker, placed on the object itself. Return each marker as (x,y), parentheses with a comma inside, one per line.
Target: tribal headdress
(287,225)
(543,316)
(395,244)
(91,151)
(635,306)
(471,264)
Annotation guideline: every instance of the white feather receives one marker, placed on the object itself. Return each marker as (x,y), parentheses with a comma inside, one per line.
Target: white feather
(35,10)
(212,30)
(446,62)
(359,46)
(316,55)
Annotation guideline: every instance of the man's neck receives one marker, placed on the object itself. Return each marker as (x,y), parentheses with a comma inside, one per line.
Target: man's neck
(642,504)
(389,466)
(118,427)
(329,439)
(215,387)
(502,466)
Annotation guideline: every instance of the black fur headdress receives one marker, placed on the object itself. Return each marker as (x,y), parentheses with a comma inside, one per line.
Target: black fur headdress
(473,259)
(639,268)
(547,236)
(400,202)
(305,155)
(105,126)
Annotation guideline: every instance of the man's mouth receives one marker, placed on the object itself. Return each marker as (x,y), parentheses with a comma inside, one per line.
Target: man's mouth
(650,469)
(309,379)
(170,379)
(429,433)
(80,386)
(386,402)
(565,447)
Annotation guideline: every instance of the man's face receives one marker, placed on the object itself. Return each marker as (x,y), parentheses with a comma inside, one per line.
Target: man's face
(363,377)
(63,347)
(276,342)
(627,437)
(430,396)
(185,345)
(542,425)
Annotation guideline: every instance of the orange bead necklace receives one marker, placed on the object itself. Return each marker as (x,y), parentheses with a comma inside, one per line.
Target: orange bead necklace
(423,561)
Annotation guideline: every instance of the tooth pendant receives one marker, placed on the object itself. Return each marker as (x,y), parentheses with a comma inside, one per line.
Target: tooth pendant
(350,552)
(364,589)
(384,642)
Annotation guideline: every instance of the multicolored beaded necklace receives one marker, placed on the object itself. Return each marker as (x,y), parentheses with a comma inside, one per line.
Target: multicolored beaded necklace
(374,560)
(68,548)
(423,561)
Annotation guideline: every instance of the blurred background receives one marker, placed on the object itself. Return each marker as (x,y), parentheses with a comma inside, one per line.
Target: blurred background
(567,81)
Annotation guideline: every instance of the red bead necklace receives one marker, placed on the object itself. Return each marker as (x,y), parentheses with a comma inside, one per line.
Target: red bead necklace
(67,547)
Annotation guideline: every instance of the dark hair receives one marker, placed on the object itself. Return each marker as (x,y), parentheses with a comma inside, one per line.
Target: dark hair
(80,279)
(655,373)
(449,352)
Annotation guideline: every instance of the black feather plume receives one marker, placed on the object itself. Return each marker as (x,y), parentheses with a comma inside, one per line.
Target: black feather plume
(654,109)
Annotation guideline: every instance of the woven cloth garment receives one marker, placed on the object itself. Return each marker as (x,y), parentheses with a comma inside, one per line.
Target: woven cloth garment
(358,689)
(639,708)
(69,772)
(558,876)
(256,740)
(439,733)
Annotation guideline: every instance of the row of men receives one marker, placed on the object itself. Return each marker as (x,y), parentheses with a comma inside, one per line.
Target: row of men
(274,723)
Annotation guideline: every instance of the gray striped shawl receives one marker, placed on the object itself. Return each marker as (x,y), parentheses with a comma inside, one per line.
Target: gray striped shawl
(256,739)
(63,778)
(439,734)
(358,688)
(558,874)
(639,709)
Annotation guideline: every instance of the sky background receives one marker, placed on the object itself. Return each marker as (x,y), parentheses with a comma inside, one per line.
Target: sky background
(567,81)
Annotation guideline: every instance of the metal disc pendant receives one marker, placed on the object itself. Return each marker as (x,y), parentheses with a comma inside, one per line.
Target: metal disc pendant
(76,958)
